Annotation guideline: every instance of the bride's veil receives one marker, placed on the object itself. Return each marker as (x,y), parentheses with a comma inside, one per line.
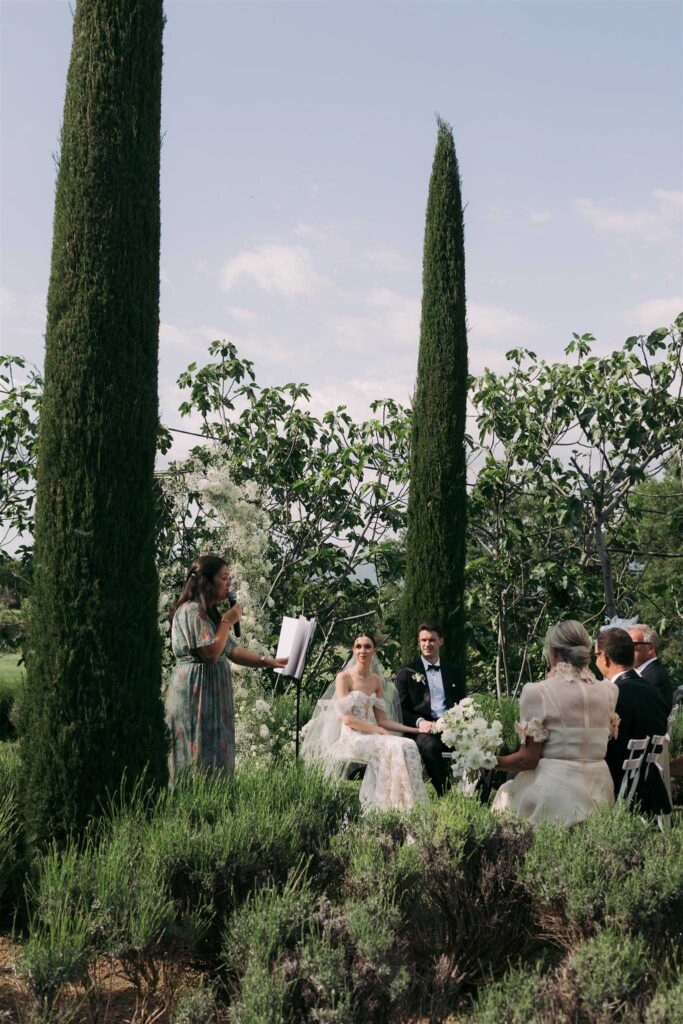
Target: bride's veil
(320,736)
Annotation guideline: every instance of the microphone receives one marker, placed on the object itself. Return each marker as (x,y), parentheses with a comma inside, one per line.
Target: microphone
(232,600)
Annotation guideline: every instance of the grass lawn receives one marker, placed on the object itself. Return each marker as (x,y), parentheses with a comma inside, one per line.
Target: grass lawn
(10,669)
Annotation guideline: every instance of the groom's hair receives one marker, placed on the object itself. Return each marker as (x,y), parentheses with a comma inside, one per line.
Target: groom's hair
(617,645)
(430,627)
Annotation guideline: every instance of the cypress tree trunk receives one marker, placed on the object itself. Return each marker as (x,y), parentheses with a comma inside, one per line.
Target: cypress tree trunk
(437,506)
(93,708)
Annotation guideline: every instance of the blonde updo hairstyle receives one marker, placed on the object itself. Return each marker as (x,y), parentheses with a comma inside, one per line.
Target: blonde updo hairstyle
(571,641)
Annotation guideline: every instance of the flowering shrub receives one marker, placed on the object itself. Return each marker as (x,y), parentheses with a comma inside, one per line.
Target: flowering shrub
(265,726)
(474,742)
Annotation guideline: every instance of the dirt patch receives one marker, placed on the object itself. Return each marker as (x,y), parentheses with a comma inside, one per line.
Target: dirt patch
(113,999)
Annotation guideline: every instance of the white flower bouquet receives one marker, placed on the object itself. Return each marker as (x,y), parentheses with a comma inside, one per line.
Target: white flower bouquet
(473,740)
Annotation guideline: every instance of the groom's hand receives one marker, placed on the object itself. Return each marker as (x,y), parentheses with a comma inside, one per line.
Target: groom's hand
(424,726)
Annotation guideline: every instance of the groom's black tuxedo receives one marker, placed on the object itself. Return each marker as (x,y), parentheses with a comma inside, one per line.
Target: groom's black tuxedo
(413,692)
(643,712)
(413,689)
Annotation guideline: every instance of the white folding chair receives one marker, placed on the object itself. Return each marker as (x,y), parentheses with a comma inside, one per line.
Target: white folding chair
(658,756)
(631,768)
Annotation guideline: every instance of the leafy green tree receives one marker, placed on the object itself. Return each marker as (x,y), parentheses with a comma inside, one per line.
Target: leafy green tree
(333,491)
(650,542)
(437,506)
(21,389)
(566,446)
(93,713)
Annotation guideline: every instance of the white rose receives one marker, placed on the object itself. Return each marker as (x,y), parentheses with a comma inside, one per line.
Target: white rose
(264,731)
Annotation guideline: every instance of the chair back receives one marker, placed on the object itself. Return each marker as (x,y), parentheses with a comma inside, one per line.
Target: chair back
(631,767)
(655,754)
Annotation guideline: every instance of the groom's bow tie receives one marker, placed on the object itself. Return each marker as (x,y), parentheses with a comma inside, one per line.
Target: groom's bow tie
(433,668)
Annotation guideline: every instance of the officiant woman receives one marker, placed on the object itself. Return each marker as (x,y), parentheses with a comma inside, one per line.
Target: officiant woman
(199,707)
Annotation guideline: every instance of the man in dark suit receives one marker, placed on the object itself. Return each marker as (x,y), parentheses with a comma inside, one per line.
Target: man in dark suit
(647,664)
(642,712)
(427,687)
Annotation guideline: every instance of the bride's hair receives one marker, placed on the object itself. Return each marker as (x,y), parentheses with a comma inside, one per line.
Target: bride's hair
(571,641)
(369,636)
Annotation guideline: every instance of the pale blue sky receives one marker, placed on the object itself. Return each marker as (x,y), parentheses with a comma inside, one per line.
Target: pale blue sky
(297,150)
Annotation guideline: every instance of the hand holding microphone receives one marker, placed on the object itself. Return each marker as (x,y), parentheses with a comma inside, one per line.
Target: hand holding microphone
(232,601)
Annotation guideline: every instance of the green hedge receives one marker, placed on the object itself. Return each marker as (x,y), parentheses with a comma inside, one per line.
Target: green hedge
(300,910)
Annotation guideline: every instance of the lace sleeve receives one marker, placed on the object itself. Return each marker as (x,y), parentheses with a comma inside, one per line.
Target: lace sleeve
(343,705)
(531,725)
(532,729)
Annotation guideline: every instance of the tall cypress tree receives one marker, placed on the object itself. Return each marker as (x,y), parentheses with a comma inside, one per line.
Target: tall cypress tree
(93,708)
(437,506)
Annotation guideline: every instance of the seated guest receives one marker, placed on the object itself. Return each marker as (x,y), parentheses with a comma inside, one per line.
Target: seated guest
(566,720)
(647,664)
(642,712)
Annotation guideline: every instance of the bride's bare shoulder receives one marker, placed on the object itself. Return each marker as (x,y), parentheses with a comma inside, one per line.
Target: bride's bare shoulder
(343,682)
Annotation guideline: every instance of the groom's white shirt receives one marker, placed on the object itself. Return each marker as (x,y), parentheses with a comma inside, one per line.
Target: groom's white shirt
(437,693)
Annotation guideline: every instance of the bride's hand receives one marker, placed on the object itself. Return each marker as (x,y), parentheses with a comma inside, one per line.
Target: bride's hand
(381,731)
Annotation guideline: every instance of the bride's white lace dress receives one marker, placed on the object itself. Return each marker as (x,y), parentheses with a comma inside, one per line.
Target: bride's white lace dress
(393,773)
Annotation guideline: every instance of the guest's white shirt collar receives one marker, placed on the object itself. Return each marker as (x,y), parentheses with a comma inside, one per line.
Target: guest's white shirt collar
(619,675)
(640,668)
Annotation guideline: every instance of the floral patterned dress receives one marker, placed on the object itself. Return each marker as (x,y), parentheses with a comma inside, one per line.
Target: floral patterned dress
(199,708)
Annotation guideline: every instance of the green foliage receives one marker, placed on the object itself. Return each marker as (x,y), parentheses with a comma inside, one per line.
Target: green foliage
(332,490)
(11,852)
(506,710)
(516,999)
(94,713)
(302,910)
(20,401)
(195,1006)
(608,971)
(435,544)
(613,869)
(553,529)
(666,1006)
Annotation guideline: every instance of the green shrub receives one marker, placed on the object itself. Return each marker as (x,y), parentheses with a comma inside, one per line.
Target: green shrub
(10,829)
(458,863)
(676,744)
(263,996)
(517,998)
(61,931)
(608,972)
(614,868)
(195,1006)
(666,1006)
(269,923)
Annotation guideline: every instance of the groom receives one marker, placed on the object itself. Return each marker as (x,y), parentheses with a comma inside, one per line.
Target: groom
(426,688)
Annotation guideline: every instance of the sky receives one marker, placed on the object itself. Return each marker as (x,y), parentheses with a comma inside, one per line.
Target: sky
(298,140)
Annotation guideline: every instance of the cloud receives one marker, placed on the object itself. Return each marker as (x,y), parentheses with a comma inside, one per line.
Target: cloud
(657,312)
(540,217)
(324,233)
(242,314)
(277,269)
(494,322)
(391,320)
(661,221)
(8,303)
(171,336)
(384,259)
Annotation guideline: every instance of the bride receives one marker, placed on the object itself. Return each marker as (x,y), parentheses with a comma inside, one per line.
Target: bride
(357,721)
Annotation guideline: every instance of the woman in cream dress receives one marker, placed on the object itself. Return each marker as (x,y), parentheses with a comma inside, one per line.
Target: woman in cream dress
(565,723)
